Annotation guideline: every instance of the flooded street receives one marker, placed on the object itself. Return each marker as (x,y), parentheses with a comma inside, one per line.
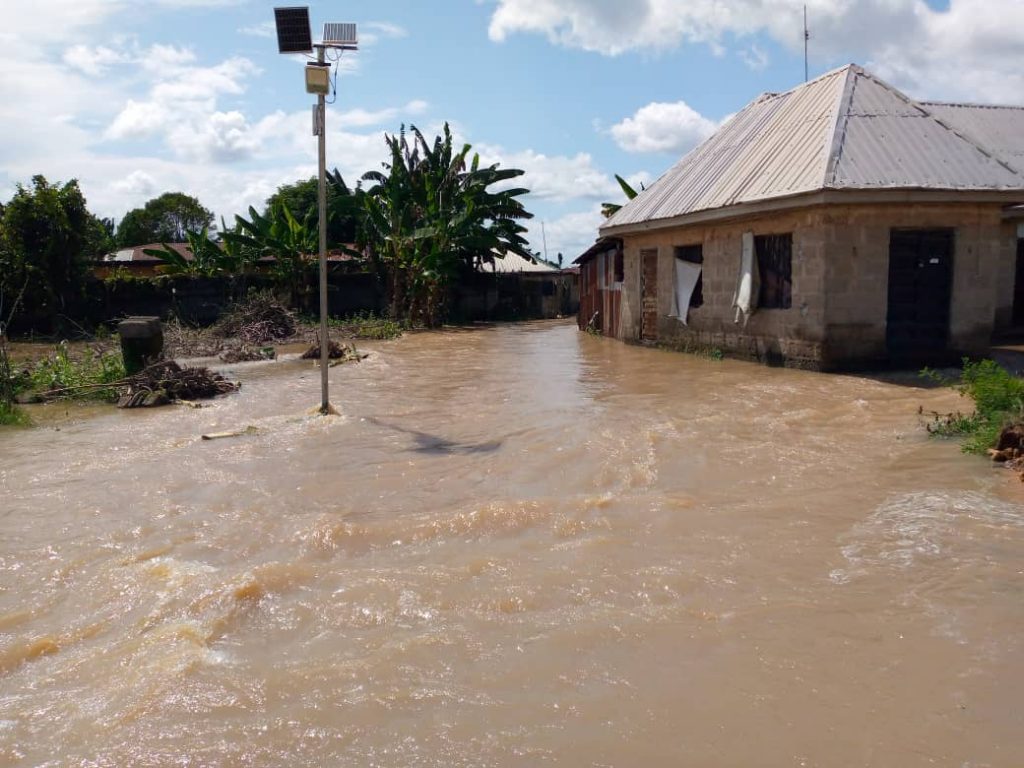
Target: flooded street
(519,545)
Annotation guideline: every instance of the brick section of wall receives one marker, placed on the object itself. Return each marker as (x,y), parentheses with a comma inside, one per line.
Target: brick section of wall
(840,283)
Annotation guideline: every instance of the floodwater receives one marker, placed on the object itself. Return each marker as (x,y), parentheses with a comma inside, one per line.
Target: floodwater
(519,545)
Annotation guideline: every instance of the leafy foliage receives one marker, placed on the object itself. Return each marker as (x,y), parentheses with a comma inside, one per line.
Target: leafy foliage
(431,213)
(209,259)
(301,199)
(47,238)
(60,371)
(281,239)
(998,401)
(610,209)
(164,219)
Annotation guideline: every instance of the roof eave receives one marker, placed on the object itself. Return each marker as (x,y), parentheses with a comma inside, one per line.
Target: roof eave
(820,197)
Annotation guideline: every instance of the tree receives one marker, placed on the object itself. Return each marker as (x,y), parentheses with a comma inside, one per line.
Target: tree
(164,219)
(610,209)
(209,259)
(279,235)
(47,238)
(302,199)
(432,213)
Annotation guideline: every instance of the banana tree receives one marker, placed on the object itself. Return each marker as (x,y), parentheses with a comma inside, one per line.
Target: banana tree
(610,209)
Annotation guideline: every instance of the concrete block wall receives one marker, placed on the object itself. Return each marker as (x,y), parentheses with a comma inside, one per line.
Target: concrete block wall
(840,274)
(857,244)
(791,336)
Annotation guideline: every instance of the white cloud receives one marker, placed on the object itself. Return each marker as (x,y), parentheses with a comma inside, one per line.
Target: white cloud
(663,127)
(358,117)
(92,61)
(372,32)
(755,58)
(263,29)
(137,120)
(556,178)
(569,234)
(972,49)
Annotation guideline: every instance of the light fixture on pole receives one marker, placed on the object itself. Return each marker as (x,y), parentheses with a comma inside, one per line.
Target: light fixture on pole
(294,36)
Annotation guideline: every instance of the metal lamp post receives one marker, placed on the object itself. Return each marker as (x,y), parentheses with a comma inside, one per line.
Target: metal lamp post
(294,36)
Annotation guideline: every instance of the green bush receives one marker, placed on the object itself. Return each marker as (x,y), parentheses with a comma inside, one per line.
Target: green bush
(998,398)
(60,371)
(12,416)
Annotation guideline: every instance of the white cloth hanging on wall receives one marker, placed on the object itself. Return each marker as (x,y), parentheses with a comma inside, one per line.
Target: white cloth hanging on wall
(745,299)
(687,275)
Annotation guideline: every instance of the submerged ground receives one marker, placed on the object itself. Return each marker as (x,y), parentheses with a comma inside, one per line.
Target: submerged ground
(519,545)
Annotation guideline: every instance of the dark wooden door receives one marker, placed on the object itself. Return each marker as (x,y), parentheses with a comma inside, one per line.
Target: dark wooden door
(920,290)
(649,295)
(1018,287)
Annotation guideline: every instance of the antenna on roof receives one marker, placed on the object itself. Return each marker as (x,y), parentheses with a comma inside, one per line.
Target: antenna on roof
(807,37)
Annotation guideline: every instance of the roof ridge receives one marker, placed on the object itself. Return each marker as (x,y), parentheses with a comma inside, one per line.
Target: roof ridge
(842,120)
(969,104)
(919,106)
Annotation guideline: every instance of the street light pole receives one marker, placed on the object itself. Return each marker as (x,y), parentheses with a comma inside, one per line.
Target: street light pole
(294,36)
(325,404)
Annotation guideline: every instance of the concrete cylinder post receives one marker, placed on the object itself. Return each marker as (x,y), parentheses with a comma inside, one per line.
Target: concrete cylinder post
(142,342)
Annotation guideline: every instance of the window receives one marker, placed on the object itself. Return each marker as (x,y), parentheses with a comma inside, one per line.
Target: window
(620,267)
(695,255)
(775,265)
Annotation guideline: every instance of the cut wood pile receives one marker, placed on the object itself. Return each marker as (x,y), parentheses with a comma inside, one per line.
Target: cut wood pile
(257,320)
(167,382)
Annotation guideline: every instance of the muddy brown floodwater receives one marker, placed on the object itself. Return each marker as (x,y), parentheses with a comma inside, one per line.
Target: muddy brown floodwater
(520,545)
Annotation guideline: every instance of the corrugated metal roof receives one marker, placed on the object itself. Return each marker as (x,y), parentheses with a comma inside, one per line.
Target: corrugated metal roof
(845,130)
(1000,129)
(513,262)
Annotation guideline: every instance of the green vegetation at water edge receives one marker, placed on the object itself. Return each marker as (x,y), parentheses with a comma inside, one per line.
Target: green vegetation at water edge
(82,376)
(368,326)
(998,398)
(12,416)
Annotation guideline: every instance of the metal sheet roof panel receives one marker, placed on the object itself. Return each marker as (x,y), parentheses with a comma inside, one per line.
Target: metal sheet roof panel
(845,130)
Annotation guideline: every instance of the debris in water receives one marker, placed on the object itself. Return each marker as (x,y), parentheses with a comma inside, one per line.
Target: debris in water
(247,354)
(335,351)
(250,430)
(167,382)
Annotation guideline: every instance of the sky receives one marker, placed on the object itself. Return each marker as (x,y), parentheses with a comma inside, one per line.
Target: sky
(138,97)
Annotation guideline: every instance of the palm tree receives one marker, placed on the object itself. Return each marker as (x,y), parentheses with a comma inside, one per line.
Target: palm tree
(432,214)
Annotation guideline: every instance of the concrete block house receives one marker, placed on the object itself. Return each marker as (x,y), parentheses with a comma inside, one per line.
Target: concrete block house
(839,225)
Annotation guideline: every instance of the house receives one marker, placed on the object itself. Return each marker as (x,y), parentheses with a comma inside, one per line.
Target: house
(838,225)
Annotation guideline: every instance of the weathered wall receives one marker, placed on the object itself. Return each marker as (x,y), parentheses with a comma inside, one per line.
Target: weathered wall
(857,243)
(792,335)
(840,272)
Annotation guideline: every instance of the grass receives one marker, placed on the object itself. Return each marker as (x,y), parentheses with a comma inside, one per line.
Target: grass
(61,371)
(12,416)
(366,325)
(998,398)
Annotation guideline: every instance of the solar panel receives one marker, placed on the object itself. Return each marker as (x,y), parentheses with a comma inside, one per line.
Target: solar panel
(340,34)
(293,34)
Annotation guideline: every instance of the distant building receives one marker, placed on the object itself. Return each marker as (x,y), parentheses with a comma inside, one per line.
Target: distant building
(838,225)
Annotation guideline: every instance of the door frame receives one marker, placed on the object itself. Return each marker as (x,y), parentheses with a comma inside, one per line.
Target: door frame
(931,352)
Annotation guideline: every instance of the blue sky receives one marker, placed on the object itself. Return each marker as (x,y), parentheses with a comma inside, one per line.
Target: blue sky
(136,97)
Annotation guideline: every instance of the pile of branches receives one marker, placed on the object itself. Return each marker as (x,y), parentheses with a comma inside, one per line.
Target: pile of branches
(256,320)
(167,381)
(159,384)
